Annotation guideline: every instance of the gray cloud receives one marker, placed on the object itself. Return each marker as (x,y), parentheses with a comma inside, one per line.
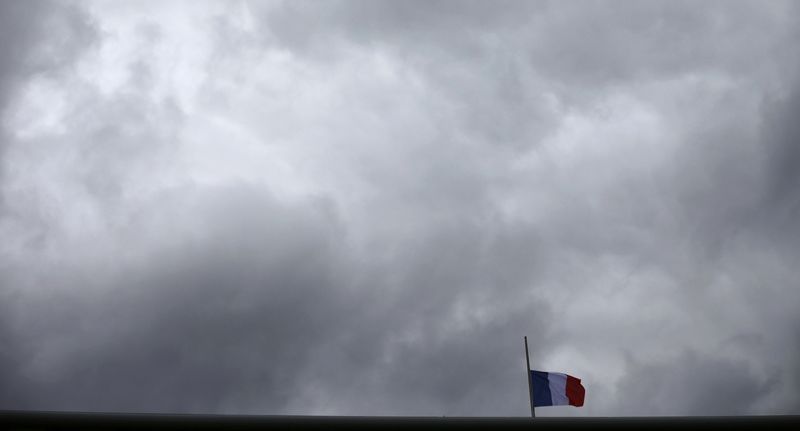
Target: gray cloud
(25,50)
(38,37)
(782,141)
(173,323)
(361,207)
(16,31)
(697,386)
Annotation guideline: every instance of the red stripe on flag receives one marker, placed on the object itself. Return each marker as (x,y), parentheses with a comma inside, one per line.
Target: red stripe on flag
(575,391)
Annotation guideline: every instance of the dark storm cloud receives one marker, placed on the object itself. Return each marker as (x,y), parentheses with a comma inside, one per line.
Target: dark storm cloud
(692,385)
(586,46)
(251,309)
(22,53)
(426,25)
(206,322)
(228,300)
(782,141)
(603,179)
(455,45)
(513,68)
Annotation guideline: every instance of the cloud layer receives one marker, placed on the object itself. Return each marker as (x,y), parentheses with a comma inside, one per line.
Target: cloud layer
(360,207)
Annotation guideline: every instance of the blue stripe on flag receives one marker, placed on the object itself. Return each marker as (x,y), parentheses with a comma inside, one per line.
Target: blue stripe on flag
(541,389)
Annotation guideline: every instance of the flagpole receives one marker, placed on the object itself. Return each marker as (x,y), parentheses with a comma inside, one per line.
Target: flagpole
(530,383)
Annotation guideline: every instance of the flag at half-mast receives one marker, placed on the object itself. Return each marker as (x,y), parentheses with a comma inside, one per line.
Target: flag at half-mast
(556,389)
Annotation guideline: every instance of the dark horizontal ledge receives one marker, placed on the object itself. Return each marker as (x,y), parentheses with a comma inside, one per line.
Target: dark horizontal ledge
(36,420)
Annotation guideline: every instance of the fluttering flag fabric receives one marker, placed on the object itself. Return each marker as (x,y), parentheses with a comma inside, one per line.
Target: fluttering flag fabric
(556,389)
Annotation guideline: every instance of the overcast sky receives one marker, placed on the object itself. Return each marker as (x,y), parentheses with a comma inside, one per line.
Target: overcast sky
(361,207)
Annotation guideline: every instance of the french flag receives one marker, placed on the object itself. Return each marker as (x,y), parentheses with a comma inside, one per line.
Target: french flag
(556,389)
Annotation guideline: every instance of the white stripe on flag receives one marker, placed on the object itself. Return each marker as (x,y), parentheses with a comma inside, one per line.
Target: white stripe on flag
(558,388)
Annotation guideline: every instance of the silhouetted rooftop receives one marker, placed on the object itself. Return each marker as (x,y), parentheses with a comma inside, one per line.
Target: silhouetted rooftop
(25,420)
